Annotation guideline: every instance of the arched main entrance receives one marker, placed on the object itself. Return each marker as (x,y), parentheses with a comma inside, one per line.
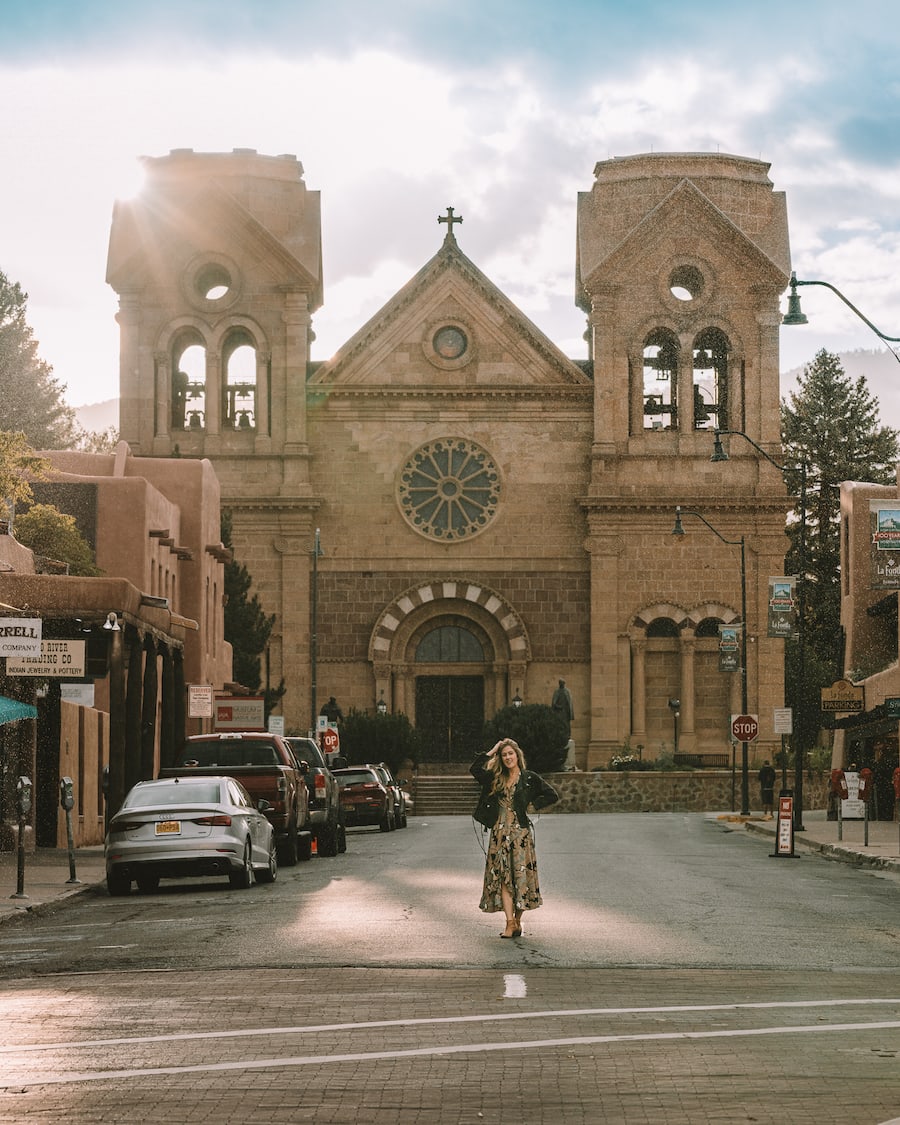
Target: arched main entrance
(446,654)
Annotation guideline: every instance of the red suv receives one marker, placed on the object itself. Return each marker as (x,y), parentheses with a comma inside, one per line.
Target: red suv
(364,799)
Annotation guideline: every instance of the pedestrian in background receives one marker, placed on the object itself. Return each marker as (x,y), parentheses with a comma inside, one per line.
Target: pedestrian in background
(510,871)
(767,788)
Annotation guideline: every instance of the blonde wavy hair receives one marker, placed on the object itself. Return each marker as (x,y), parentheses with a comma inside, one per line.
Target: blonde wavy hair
(496,766)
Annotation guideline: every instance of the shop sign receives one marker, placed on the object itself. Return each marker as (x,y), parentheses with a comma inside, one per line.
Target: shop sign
(844,696)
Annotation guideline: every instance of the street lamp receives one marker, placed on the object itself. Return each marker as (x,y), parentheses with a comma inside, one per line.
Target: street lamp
(795,314)
(678,530)
(719,454)
(675,708)
(317,553)
(381,705)
(517,700)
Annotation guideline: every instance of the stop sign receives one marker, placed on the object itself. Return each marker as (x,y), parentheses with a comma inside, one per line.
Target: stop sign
(744,728)
(330,740)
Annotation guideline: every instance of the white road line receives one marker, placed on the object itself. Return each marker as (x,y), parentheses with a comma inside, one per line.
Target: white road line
(431,1021)
(456,1049)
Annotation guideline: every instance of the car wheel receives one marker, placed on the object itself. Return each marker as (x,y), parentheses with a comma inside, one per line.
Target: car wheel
(327,840)
(269,873)
(386,823)
(242,879)
(287,850)
(118,884)
(341,837)
(304,847)
(147,884)
(403,821)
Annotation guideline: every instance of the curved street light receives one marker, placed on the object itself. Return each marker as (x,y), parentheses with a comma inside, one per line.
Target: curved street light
(795,314)
(678,530)
(720,454)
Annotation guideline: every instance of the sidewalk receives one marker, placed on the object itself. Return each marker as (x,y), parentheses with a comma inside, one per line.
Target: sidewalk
(46,876)
(821,835)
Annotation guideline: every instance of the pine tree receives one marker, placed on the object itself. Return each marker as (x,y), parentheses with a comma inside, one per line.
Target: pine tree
(32,398)
(832,423)
(247,627)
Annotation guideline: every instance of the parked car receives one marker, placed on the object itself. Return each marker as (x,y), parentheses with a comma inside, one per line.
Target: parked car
(397,794)
(326,820)
(180,827)
(365,798)
(265,766)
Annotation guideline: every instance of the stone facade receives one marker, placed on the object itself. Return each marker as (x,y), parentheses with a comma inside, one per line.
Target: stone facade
(493,515)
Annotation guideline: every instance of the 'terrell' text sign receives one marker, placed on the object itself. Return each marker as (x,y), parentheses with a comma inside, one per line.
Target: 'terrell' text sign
(20,636)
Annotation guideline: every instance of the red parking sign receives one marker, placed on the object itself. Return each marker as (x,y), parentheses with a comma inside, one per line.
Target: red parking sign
(744,728)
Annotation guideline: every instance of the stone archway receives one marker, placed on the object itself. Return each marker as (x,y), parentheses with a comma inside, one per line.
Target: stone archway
(486,677)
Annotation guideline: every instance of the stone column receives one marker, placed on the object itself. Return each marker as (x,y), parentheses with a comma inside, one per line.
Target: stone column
(133,710)
(148,712)
(687,732)
(163,395)
(297,323)
(214,400)
(639,689)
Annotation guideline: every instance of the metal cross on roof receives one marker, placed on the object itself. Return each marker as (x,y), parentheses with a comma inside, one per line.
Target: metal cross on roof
(450,219)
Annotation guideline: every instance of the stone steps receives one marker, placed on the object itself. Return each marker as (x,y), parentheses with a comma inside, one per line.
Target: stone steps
(445,796)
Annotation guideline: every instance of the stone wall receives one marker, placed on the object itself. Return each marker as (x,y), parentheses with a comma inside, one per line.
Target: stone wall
(666,791)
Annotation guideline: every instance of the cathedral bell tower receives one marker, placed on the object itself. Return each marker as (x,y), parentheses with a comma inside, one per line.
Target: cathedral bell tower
(681,259)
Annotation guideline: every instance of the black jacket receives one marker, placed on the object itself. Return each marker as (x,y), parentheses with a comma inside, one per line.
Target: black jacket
(531,789)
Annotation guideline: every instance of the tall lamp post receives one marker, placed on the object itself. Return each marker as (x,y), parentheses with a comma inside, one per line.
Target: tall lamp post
(678,530)
(720,454)
(317,553)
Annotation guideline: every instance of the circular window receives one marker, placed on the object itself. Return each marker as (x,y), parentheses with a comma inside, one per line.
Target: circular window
(450,342)
(213,282)
(449,490)
(686,283)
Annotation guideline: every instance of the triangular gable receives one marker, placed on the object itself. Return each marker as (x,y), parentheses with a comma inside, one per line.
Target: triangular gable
(449,278)
(208,219)
(685,200)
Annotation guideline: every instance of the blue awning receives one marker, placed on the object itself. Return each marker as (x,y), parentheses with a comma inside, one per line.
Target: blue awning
(12,709)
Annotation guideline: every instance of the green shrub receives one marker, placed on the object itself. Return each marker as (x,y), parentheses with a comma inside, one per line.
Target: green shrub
(391,739)
(537,728)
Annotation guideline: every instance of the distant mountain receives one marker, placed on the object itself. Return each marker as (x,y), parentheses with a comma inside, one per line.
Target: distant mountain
(99,416)
(882,374)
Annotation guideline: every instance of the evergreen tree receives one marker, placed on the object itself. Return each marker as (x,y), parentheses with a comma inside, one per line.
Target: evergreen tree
(832,423)
(247,627)
(32,398)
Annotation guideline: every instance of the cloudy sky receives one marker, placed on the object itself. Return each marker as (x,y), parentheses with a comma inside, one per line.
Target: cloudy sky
(397,108)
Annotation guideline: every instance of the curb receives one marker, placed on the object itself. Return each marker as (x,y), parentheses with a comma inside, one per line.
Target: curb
(833,851)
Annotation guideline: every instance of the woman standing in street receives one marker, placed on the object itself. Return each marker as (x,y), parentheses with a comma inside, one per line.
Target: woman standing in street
(510,872)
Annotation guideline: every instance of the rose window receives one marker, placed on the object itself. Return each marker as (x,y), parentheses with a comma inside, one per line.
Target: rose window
(449,490)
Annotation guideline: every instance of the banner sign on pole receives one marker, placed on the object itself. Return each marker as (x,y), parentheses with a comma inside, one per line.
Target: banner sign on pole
(884,552)
(782,614)
(729,648)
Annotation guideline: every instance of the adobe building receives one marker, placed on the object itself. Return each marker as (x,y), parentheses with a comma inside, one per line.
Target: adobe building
(870,578)
(150,625)
(494,516)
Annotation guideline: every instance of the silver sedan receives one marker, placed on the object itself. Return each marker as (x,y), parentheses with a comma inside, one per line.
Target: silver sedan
(179,827)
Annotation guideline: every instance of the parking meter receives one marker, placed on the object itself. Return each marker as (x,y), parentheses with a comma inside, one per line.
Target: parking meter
(23,797)
(66,793)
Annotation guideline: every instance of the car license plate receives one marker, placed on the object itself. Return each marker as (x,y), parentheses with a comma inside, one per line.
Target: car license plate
(168,828)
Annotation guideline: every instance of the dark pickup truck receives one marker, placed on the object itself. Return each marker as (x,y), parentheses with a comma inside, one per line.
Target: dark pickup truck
(326,817)
(268,770)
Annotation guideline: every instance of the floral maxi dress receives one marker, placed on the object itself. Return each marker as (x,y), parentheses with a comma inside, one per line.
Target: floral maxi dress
(511,861)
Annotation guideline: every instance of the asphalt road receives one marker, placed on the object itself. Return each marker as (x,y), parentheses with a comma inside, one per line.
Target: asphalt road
(676,973)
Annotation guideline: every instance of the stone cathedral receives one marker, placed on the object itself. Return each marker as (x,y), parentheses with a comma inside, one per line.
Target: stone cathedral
(492,515)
